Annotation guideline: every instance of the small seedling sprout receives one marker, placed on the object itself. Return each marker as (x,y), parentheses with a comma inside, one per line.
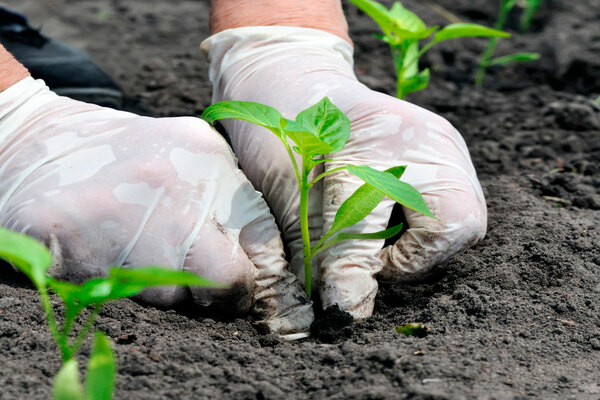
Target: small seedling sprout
(322,130)
(403,31)
(530,8)
(521,57)
(33,259)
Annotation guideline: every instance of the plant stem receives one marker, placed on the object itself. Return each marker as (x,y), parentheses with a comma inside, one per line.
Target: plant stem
(505,7)
(86,328)
(304,189)
(58,338)
(324,174)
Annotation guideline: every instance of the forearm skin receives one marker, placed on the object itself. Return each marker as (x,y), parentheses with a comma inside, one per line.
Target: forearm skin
(326,15)
(11,71)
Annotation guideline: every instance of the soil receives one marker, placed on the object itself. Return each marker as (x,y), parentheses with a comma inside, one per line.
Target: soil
(515,317)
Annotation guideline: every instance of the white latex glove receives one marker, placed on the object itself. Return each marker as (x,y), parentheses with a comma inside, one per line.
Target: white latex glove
(292,68)
(104,187)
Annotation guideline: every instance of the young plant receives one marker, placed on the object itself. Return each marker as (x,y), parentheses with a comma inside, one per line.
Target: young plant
(530,7)
(33,259)
(486,58)
(322,130)
(403,30)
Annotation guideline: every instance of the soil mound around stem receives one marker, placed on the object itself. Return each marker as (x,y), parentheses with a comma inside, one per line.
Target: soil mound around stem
(515,317)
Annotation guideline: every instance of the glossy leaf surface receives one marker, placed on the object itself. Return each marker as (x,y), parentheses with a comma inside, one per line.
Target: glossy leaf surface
(360,204)
(255,113)
(399,191)
(326,122)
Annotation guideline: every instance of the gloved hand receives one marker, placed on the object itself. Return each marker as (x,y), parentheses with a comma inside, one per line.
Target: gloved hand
(292,68)
(103,187)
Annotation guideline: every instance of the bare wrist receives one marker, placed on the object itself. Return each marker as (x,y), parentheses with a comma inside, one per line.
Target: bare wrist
(326,15)
(11,71)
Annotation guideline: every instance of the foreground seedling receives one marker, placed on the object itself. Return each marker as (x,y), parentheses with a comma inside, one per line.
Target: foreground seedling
(33,259)
(403,31)
(531,7)
(320,130)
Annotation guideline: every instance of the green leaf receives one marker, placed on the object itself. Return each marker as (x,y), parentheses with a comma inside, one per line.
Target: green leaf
(508,5)
(413,84)
(307,144)
(384,234)
(399,191)
(159,276)
(65,290)
(325,121)
(531,7)
(255,113)
(377,12)
(67,385)
(405,19)
(515,57)
(100,378)
(27,254)
(413,329)
(467,30)
(360,204)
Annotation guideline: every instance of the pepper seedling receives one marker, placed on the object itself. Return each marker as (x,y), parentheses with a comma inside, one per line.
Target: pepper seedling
(521,57)
(322,130)
(33,259)
(403,30)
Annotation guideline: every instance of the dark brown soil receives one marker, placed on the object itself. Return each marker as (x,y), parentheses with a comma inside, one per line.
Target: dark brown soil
(515,317)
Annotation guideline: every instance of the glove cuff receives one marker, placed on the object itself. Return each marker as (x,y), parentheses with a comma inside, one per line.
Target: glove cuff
(267,45)
(18,101)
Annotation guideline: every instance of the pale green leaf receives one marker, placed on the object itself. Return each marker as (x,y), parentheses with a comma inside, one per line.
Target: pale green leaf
(467,30)
(67,385)
(399,191)
(100,378)
(405,20)
(27,254)
(377,12)
(413,84)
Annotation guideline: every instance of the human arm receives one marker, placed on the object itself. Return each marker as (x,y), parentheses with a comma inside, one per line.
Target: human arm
(103,187)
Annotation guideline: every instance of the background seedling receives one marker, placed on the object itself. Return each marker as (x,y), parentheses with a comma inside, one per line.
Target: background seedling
(530,8)
(320,130)
(33,259)
(486,58)
(403,30)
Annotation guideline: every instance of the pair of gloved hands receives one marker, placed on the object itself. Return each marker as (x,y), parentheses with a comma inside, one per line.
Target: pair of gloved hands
(108,187)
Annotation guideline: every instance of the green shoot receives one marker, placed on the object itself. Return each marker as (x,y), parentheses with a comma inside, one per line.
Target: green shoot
(403,31)
(33,259)
(486,58)
(530,8)
(323,129)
